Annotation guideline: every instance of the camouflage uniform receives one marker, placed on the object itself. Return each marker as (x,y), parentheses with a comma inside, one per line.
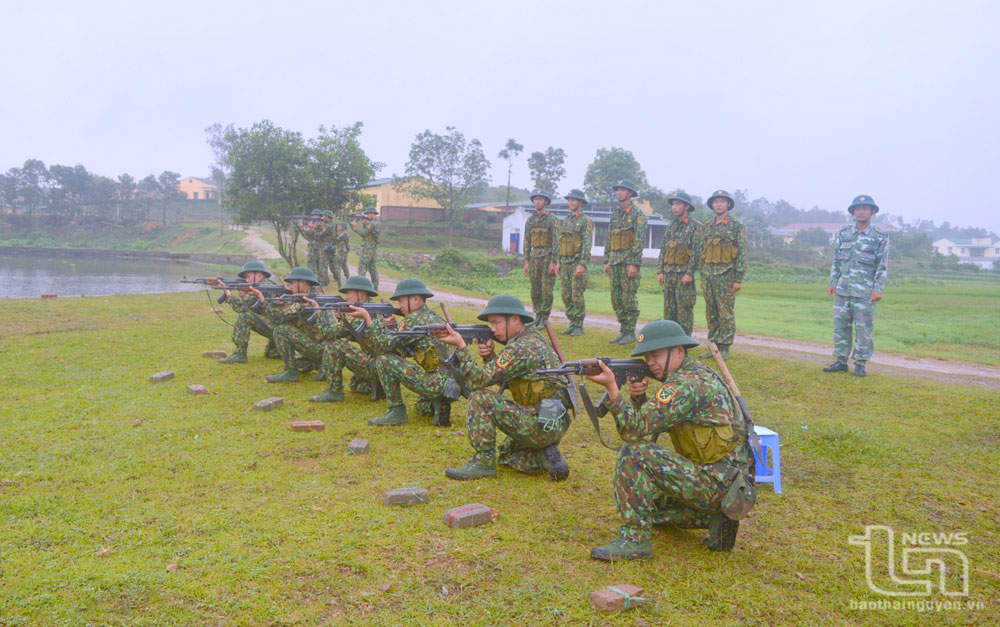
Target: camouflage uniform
(575,240)
(860,267)
(624,246)
(656,486)
(339,353)
(488,411)
(316,237)
(422,375)
(247,321)
(679,255)
(369,231)
(723,262)
(341,246)
(293,334)
(541,247)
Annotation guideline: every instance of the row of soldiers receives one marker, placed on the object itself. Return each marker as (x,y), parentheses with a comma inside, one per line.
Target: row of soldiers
(717,249)
(689,486)
(329,244)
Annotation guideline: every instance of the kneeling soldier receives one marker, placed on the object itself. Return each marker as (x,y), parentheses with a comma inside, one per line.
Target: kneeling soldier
(291,332)
(246,319)
(711,471)
(338,352)
(423,377)
(535,420)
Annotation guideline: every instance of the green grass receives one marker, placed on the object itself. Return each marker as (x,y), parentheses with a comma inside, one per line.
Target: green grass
(197,237)
(106,479)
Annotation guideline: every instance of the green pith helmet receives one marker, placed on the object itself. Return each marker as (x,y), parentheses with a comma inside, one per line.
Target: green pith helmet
(683,197)
(302,273)
(542,193)
(627,184)
(362,283)
(343,223)
(579,195)
(505,305)
(863,201)
(411,287)
(327,213)
(721,193)
(316,212)
(661,334)
(254,266)
(371,209)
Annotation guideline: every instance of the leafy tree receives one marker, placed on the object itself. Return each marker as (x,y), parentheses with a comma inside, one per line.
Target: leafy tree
(446,169)
(814,237)
(10,188)
(510,152)
(169,189)
(34,185)
(68,194)
(611,165)
(547,168)
(219,169)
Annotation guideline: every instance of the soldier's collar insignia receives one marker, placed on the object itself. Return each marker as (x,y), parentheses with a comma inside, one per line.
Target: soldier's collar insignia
(666,393)
(504,359)
(639,337)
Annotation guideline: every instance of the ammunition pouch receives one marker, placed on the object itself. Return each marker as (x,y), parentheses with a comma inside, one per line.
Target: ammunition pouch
(677,253)
(570,245)
(541,238)
(368,238)
(427,358)
(621,239)
(741,495)
(701,444)
(719,250)
(551,414)
(328,249)
(527,393)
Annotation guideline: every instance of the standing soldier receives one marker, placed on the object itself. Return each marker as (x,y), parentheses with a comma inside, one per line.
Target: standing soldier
(723,264)
(337,251)
(541,252)
(623,258)
(315,233)
(706,482)
(576,234)
(247,320)
(536,420)
(369,231)
(857,280)
(679,258)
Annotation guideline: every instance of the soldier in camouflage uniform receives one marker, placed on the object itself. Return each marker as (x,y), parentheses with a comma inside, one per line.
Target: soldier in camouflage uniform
(337,252)
(339,352)
(723,264)
(679,257)
(291,331)
(368,229)
(623,258)
(857,280)
(423,375)
(576,235)
(686,487)
(316,234)
(247,320)
(541,252)
(536,420)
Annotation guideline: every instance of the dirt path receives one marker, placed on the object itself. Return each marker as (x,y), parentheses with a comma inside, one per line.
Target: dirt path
(257,246)
(947,371)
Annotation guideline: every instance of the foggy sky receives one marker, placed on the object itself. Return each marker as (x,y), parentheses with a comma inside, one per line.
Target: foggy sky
(810,102)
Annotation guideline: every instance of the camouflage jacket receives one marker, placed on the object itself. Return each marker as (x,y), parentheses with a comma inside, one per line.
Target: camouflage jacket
(577,226)
(330,326)
(693,394)
(730,233)
(294,314)
(634,220)
(546,222)
(682,238)
(316,235)
(241,302)
(525,353)
(384,342)
(342,243)
(369,231)
(860,261)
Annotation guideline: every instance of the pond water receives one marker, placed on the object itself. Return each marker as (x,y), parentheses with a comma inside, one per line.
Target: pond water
(29,276)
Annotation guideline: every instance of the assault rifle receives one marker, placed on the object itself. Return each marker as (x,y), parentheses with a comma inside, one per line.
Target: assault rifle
(321,299)
(469,332)
(356,216)
(623,369)
(267,289)
(373,309)
(311,218)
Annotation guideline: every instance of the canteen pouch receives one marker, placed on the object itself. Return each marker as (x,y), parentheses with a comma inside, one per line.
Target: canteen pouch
(569,245)
(678,253)
(741,495)
(541,238)
(551,412)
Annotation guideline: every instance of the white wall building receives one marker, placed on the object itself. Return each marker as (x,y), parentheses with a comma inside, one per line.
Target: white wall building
(982,251)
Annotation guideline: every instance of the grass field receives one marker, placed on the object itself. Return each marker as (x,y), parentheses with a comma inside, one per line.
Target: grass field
(129,503)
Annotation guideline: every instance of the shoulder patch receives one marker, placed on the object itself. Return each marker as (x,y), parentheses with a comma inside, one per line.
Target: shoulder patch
(666,393)
(504,359)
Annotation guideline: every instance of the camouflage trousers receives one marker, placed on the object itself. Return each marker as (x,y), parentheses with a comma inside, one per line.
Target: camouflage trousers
(543,285)
(315,261)
(720,300)
(340,354)
(860,312)
(291,340)
(338,266)
(489,411)
(573,291)
(624,299)
(366,265)
(656,486)
(393,370)
(246,322)
(679,300)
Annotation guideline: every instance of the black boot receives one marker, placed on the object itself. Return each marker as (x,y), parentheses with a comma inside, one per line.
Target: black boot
(837,366)
(553,461)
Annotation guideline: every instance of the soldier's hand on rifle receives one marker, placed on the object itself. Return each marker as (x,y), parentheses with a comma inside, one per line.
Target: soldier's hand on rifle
(605,378)
(256,292)
(580,270)
(359,312)
(486,349)
(310,302)
(660,277)
(687,279)
(633,270)
(525,267)
(637,387)
(876,296)
(831,290)
(450,336)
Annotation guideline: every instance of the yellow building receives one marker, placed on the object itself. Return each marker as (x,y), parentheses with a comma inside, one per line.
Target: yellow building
(198,189)
(395,204)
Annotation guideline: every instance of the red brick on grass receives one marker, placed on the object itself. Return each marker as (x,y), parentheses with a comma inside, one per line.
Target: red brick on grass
(160,377)
(268,403)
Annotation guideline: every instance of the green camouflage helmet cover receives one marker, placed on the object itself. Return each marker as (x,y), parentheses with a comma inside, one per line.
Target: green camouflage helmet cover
(661,334)
(505,305)
(254,266)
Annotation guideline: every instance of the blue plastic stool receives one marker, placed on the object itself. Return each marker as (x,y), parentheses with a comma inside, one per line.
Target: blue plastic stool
(768,473)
